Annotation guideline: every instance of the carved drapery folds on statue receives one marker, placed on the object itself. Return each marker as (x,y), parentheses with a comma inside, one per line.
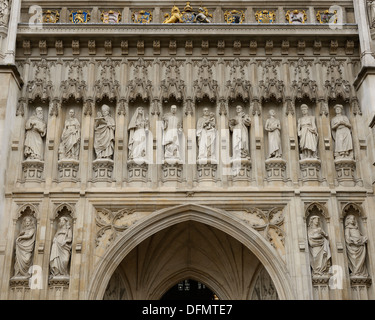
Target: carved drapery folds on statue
(319,248)
(70,138)
(273,127)
(206,133)
(308,135)
(61,249)
(4,12)
(25,243)
(355,247)
(172,129)
(138,129)
(36,129)
(239,126)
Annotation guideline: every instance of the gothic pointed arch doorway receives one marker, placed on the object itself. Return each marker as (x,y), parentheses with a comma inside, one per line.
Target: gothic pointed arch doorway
(194,242)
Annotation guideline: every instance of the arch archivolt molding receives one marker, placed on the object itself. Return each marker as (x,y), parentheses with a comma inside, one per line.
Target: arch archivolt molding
(123,242)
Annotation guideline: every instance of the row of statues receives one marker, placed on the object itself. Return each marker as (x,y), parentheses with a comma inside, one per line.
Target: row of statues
(104,135)
(320,252)
(60,250)
(319,247)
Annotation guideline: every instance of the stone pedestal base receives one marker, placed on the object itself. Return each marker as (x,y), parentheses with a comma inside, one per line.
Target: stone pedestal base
(172,171)
(241,170)
(310,170)
(321,287)
(68,170)
(137,170)
(345,172)
(276,170)
(206,170)
(33,170)
(103,169)
(359,286)
(20,288)
(58,288)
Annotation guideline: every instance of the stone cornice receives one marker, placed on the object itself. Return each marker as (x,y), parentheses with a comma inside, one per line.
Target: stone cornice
(214,29)
(14,71)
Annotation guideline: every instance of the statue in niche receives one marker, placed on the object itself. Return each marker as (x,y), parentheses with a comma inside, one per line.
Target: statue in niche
(341,132)
(273,127)
(239,126)
(138,128)
(25,248)
(308,135)
(320,252)
(172,129)
(61,249)
(104,142)
(206,133)
(70,138)
(355,247)
(36,129)
(4,12)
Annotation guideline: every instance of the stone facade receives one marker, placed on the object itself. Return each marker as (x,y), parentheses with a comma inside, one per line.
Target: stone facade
(231,150)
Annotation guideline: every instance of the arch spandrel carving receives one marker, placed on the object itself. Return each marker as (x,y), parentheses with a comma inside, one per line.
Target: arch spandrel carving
(164,218)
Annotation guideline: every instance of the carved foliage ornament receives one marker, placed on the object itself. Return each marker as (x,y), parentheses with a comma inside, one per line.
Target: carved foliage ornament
(110,224)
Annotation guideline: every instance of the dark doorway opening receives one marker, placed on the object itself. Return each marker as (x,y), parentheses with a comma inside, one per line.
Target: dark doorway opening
(189,290)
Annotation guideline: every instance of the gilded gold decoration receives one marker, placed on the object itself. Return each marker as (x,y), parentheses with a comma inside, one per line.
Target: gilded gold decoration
(50,16)
(79,16)
(142,16)
(188,15)
(265,16)
(110,16)
(327,16)
(296,16)
(234,16)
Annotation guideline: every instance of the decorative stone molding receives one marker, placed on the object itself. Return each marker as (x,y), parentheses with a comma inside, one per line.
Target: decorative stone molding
(68,170)
(345,169)
(276,170)
(102,169)
(137,171)
(33,170)
(310,170)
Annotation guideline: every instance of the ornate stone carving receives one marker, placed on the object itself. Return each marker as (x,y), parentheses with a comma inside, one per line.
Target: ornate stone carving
(240,138)
(273,127)
(36,129)
(188,15)
(111,223)
(265,16)
(264,288)
(51,16)
(140,86)
(75,47)
(138,129)
(269,223)
(172,86)
(142,16)
(41,86)
(74,87)
(107,86)
(207,134)
(172,129)
(110,16)
(238,87)
(79,16)
(205,86)
(327,16)
(70,138)
(59,46)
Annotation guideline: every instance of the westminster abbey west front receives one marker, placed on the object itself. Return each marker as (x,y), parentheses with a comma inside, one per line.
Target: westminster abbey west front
(168,150)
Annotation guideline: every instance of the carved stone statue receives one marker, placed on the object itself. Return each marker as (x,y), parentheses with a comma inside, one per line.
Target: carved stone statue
(320,252)
(25,248)
(104,134)
(371,8)
(36,129)
(206,133)
(308,134)
(172,128)
(355,247)
(341,132)
(61,249)
(138,128)
(239,126)
(273,127)
(4,12)
(70,138)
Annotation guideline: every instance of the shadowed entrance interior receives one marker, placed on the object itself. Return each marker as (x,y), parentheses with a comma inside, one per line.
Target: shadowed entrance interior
(191,251)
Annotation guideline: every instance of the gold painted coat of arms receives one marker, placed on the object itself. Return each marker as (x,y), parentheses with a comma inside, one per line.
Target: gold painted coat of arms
(110,16)
(142,16)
